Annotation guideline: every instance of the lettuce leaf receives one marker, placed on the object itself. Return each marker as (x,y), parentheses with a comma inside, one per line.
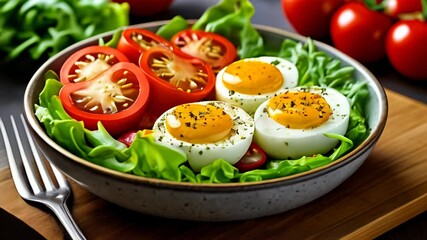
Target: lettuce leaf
(155,160)
(220,171)
(40,28)
(176,24)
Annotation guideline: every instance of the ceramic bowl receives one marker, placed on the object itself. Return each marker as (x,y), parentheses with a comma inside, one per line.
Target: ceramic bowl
(209,202)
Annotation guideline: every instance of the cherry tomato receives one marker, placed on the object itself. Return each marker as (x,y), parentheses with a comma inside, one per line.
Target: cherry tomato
(147,7)
(360,32)
(175,78)
(253,159)
(135,41)
(210,47)
(406,48)
(395,8)
(128,137)
(311,17)
(87,63)
(117,98)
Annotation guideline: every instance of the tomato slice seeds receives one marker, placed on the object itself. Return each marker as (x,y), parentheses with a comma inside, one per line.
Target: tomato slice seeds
(87,63)
(90,66)
(106,96)
(178,72)
(142,41)
(212,48)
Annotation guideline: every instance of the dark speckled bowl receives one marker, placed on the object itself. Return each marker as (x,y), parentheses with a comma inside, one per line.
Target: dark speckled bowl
(208,202)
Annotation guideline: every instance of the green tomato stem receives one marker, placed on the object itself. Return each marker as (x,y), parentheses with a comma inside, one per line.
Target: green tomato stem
(374,6)
(424,9)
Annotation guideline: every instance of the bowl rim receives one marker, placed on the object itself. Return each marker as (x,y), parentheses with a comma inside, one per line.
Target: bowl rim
(370,141)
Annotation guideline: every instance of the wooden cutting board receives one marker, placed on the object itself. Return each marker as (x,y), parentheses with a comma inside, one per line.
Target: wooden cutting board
(388,189)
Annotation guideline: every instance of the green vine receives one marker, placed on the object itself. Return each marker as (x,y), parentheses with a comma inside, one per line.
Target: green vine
(424,9)
(373,5)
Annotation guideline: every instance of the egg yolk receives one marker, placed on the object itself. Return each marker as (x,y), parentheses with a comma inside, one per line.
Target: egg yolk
(197,123)
(299,110)
(252,77)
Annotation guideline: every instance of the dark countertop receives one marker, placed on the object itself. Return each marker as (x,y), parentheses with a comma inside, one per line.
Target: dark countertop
(14,77)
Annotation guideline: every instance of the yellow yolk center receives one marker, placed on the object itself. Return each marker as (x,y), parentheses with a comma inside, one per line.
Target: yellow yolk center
(196,123)
(299,110)
(252,77)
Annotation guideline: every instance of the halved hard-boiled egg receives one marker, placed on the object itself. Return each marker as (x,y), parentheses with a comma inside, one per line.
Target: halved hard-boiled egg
(206,131)
(249,82)
(293,123)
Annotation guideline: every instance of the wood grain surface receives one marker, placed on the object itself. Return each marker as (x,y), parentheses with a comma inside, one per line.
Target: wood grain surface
(388,189)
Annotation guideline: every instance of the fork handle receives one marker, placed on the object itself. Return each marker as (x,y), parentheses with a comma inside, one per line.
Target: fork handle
(64,216)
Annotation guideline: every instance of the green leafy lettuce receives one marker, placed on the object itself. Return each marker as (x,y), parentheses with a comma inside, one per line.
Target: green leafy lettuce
(39,27)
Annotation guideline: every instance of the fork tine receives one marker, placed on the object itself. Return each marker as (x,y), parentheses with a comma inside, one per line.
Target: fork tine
(62,182)
(48,183)
(28,165)
(20,183)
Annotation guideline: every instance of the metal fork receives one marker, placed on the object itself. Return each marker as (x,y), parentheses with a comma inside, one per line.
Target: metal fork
(32,179)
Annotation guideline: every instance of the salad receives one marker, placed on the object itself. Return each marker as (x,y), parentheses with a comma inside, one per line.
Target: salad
(209,102)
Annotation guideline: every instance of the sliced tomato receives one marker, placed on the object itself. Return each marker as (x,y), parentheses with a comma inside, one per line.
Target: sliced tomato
(87,63)
(253,159)
(135,41)
(210,47)
(175,78)
(117,98)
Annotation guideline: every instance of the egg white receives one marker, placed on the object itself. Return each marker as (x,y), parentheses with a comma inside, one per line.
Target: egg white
(249,102)
(199,155)
(280,142)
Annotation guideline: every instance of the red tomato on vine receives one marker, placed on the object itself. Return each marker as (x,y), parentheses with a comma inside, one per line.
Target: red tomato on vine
(395,8)
(360,32)
(311,17)
(406,48)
